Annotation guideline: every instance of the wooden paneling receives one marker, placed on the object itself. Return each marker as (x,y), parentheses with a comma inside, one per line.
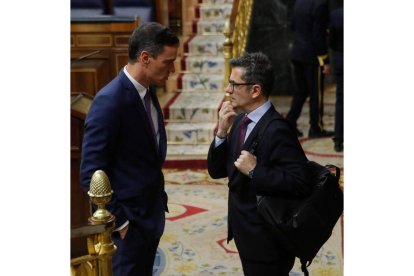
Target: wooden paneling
(91,40)
(98,51)
(121,40)
(89,76)
(79,205)
(120,58)
(80,209)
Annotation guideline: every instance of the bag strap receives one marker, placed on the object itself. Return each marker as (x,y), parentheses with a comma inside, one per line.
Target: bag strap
(337,171)
(304,266)
(256,141)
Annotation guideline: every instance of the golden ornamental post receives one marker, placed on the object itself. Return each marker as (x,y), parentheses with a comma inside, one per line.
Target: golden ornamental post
(101,244)
(227,49)
(240,26)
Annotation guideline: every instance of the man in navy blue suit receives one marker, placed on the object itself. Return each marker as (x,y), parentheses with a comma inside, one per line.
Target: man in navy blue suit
(125,137)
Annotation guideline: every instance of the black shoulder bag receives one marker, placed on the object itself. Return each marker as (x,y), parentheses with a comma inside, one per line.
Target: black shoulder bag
(303,225)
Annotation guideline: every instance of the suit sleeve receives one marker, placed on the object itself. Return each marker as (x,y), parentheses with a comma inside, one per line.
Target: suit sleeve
(281,164)
(216,160)
(99,140)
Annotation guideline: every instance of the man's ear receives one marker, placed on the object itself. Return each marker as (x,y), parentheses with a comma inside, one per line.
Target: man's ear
(145,57)
(257,90)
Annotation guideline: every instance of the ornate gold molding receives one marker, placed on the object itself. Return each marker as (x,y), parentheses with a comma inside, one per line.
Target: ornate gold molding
(236,31)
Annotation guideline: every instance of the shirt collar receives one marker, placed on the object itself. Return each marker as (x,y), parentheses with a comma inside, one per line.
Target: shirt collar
(256,114)
(141,89)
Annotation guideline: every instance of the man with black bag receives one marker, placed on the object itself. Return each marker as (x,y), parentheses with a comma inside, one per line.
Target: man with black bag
(276,168)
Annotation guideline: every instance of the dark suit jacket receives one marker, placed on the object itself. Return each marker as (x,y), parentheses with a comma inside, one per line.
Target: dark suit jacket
(279,170)
(118,140)
(336,30)
(309,23)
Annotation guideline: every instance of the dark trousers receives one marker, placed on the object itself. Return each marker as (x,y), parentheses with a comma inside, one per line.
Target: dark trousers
(259,252)
(281,268)
(308,81)
(339,105)
(135,254)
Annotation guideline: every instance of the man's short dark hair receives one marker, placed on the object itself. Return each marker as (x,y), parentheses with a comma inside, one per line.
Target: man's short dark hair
(151,37)
(258,69)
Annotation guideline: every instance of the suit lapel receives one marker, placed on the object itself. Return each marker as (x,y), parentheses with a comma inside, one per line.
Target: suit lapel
(161,129)
(252,136)
(140,106)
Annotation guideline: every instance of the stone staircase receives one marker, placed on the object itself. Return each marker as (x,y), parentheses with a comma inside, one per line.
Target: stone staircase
(198,85)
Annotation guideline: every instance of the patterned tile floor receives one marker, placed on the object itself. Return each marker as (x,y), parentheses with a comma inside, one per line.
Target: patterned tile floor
(194,239)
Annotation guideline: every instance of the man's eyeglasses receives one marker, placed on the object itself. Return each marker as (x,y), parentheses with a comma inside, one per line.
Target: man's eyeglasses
(233,84)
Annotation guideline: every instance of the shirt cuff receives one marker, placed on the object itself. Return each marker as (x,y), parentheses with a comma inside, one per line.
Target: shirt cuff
(218,141)
(122,226)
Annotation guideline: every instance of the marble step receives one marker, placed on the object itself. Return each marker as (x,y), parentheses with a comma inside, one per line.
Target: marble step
(192,82)
(213,12)
(187,152)
(208,27)
(217,2)
(195,82)
(205,10)
(205,45)
(202,64)
(190,133)
(195,107)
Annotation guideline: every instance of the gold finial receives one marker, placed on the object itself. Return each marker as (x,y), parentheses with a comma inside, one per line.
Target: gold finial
(226,29)
(100,193)
(227,97)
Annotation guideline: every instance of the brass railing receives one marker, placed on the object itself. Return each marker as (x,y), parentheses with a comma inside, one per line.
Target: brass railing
(235,32)
(98,231)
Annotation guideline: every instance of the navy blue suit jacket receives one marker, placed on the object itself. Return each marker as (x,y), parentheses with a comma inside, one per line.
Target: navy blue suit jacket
(280,170)
(118,139)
